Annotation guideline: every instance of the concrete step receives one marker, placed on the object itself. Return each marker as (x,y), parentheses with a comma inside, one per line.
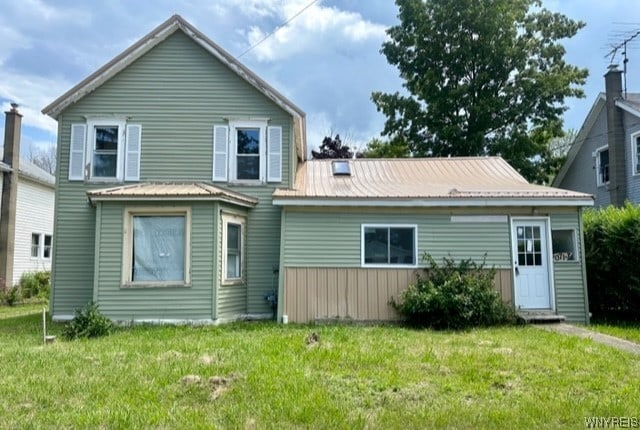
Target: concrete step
(541,317)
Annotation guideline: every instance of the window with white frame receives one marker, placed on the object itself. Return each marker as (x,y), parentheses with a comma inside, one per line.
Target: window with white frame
(389,245)
(35,245)
(635,151)
(157,247)
(46,253)
(602,165)
(233,234)
(105,149)
(247,152)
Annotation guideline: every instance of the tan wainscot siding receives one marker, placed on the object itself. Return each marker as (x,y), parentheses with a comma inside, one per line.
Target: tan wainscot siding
(177,92)
(322,276)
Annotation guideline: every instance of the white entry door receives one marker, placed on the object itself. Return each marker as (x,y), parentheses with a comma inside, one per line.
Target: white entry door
(531,264)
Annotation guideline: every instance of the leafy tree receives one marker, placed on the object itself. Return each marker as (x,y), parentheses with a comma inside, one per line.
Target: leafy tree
(385,149)
(483,78)
(332,148)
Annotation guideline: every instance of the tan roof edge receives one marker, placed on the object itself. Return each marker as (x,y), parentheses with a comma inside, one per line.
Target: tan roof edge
(580,138)
(152,39)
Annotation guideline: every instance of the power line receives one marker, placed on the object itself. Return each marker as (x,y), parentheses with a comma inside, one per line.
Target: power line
(278,28)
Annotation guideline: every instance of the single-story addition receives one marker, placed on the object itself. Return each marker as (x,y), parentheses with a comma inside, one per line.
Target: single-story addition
(354,232)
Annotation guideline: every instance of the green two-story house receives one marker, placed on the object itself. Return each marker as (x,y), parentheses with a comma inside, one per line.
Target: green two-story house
(183,195)
(143,228)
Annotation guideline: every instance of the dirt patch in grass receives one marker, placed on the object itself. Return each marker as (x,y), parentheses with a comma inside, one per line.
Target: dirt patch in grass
(216,385)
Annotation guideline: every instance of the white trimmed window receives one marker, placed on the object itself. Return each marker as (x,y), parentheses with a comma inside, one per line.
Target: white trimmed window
(389,245)
(105,149)
(233,238)
(35,245)
(46,253)
(635,152)
(157,247)
(602,165)
(247,152)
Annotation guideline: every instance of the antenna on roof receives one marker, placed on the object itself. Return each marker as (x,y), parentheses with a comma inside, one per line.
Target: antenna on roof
(623,46)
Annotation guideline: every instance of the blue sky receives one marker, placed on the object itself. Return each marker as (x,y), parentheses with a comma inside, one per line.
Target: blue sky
(327,60)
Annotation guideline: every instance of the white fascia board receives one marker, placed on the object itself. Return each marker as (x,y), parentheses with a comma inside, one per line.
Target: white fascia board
(625,107)
(434,202)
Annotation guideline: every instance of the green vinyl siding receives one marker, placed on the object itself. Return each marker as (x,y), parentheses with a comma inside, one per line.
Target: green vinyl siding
(568,275)
(177,92)
(332,238)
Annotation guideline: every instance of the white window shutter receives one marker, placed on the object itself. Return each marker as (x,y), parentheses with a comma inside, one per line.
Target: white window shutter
(132,158)
(220,152)
(274,154)
(76,152)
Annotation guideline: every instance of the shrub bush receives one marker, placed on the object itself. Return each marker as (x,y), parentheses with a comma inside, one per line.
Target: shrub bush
(86,323)
(454,296)
(36,284)
(11,295)
(612,250)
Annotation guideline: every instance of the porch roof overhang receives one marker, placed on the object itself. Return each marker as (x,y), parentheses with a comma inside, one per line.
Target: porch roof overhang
(171,191)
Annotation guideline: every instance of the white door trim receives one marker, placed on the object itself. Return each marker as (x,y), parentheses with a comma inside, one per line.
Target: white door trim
(549,257)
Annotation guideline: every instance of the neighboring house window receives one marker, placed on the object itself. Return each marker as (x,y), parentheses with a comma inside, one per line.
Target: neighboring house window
(233,234)
(247,152)
(157,247)
(109,147)
(35,245)
(635,150)
(602,165)
(47,246)
(389,245)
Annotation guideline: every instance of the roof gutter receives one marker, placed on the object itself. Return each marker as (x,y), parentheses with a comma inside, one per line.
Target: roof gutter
(436,202)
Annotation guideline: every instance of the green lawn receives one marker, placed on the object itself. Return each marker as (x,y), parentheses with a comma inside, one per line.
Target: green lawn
(270,377)
(624,330)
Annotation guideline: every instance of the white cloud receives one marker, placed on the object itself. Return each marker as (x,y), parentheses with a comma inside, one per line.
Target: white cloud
(317,28)
(32,93)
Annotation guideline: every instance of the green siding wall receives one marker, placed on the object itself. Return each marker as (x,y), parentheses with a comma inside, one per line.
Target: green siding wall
(332,239)
(568,275)
(177,92)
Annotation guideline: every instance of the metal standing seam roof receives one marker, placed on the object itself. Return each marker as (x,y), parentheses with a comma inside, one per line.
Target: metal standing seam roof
(419,178)
(171,191)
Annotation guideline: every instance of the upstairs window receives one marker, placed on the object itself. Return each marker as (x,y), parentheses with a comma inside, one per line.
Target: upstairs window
(105,150)
(247,152)
(602,165)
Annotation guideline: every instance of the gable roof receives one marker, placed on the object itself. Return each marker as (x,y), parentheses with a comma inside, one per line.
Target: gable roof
(29,170)
(630,104)
(155,37)
(171,191)
(458,181)
(582,135)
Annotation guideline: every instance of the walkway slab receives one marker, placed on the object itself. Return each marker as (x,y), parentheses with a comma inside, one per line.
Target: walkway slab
(615,342)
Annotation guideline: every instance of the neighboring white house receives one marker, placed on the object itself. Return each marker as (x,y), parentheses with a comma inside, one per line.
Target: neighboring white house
(33,217)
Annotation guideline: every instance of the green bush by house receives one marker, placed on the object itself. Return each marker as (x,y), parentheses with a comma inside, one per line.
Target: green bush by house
(86,323)
(612,250)
(454,296)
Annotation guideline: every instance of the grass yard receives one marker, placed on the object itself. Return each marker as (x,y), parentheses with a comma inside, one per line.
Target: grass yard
(624,330)
(262,375)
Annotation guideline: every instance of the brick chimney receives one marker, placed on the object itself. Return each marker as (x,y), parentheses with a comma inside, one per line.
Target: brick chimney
(615,137)
(13,122)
